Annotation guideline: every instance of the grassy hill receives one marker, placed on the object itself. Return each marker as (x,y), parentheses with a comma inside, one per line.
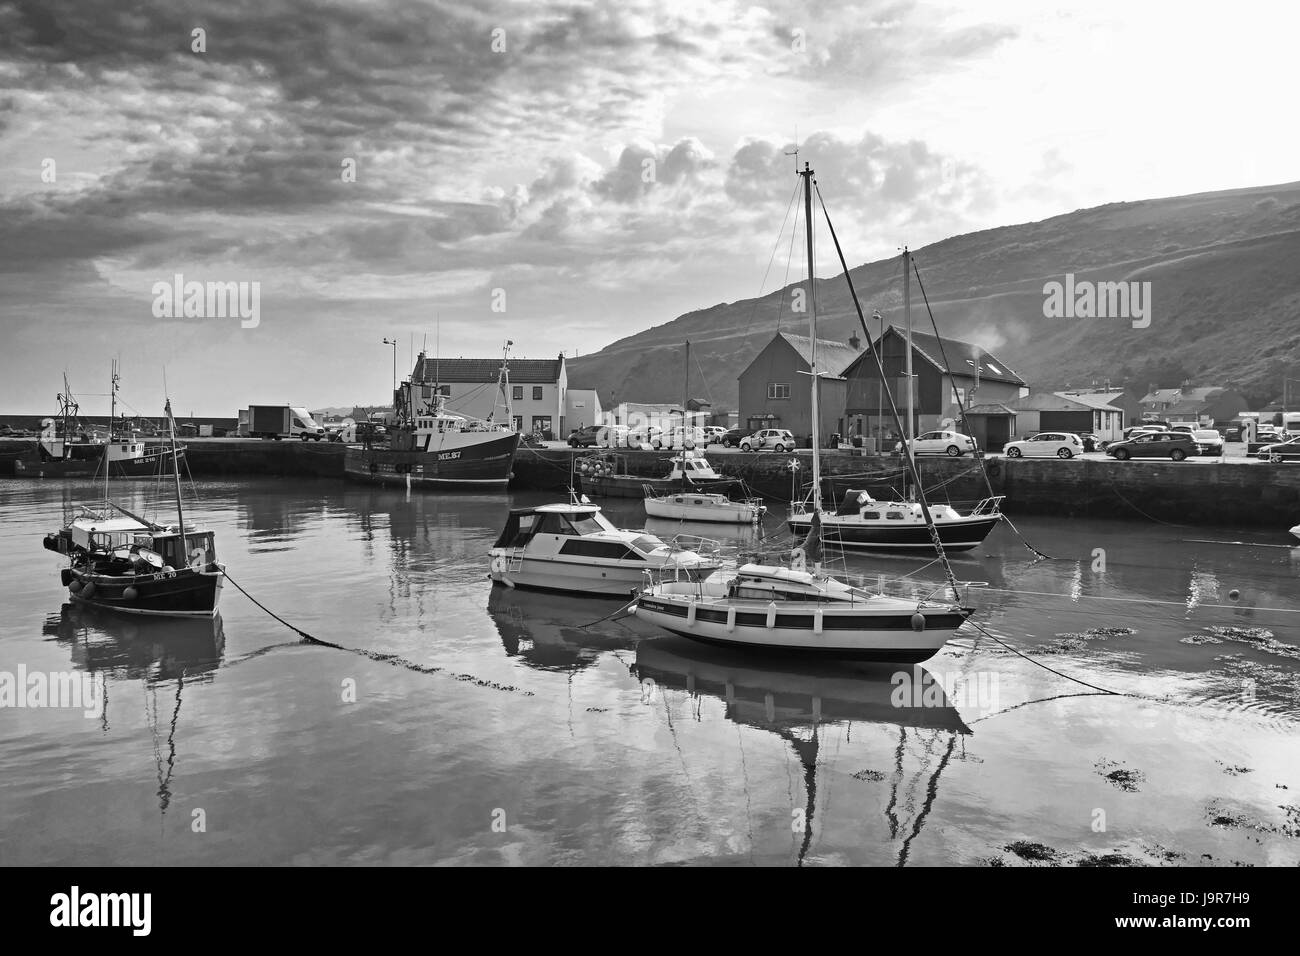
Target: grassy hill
(1225,274)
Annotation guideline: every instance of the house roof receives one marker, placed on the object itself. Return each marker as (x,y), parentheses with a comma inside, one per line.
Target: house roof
(1183,395)
(444,371)
(833,357)
(1098,400)
(1048,402)
(991,408)
(963,355)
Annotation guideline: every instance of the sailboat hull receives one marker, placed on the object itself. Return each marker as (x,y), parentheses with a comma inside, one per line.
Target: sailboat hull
(846,635)
(960,534)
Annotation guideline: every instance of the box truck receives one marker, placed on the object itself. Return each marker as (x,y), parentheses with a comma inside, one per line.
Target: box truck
(283,421)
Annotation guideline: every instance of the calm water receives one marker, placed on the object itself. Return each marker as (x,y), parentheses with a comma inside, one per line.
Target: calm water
(494,728)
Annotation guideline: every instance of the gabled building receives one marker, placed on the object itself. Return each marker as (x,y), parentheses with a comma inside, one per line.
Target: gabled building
(538,390)
(1103,398)
(1205,405)
(1058,412)
(980,376)
(776,391)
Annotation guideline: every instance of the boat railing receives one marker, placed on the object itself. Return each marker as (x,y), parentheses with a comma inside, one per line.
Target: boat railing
(988,506)
(910,589)
(704,547)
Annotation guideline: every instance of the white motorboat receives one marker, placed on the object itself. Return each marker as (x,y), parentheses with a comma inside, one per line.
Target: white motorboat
(808,612)
(1296,531)
(703,506)
(573,547)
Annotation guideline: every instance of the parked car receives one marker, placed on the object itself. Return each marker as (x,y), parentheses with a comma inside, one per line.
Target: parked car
(1172,445)
(645,435)
(612,436)
(1188,427)
(1091,442)
(587,436)
(1134,430)
(1232,431)
(1046,445)
(1288,450)
(953,444)
(768,439)
(679,437)
(713,434)
(1209,441)
(732,437)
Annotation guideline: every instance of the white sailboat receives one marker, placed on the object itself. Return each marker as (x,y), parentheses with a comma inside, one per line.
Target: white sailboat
(801,609)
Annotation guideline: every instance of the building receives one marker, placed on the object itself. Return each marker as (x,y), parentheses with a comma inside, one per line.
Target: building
(661,415)
(1125,399)
(775,391)
(1206,405)
(1058,412)
(979,377)
(581,407)
(538,390)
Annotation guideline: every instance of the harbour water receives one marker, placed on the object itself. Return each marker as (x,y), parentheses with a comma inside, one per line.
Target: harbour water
(458,724)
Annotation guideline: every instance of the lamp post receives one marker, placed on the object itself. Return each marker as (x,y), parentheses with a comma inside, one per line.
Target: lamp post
(393,343)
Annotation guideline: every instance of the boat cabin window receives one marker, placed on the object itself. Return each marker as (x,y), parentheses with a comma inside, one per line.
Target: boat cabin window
(569,524)
(870,515)
(608,550)
(894,515)
(647,543)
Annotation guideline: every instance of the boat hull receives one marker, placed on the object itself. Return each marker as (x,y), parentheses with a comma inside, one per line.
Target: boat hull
(480,465)
(962,534)
(583,579)
(183,593)
(630,486)
(731,512)
(852,635)
(145,466)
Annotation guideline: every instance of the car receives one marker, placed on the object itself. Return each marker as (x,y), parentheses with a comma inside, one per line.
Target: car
(1134,430)
(679,437)
(1173,445)
(645,435)
(732,437)
(1280,451)
(1209,441)
(953,444)
(1091,442)
(765,439)
(1046,445)
(588,436)
(612,436)
(1188,427)
(713,434)
(1232,431)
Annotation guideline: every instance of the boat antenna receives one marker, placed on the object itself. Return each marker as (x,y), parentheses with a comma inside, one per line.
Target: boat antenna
(893,407)
(176,471)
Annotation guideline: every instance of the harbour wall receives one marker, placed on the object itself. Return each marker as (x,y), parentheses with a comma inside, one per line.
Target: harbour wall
(1241,492)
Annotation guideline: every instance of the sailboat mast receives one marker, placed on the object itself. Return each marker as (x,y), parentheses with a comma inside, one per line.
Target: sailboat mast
(112,417)
(686,390)
(176,468)
(907,314)
(807,175)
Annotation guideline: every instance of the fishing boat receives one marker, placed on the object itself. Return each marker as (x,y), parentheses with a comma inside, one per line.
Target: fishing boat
(605,476)
(861,521)
(124,562)
(66,448)
(801,609)
(703,506)
(573,547)
(430,445)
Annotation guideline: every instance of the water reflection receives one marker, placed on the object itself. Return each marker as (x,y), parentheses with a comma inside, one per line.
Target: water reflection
(159,653)
(798,700)
(545,631)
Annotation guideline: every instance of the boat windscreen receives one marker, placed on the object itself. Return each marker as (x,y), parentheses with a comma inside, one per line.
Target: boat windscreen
(647,543)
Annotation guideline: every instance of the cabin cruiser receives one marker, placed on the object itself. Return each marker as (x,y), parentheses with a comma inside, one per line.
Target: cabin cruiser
(703,506)
(607,477)
(573,547)
(861,521)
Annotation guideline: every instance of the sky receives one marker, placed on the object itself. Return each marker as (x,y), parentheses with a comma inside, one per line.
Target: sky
(558,174)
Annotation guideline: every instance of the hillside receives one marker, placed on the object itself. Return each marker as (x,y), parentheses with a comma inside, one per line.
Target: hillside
(1225,294)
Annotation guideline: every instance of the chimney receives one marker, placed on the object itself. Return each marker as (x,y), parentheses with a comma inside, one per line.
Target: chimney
(855,343)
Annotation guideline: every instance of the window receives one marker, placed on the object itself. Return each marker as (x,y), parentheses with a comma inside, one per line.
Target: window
(444,390)
(541,423)
(517,393)
(777,391)
(871,515)
(537,393)
(609,550)
(894,515)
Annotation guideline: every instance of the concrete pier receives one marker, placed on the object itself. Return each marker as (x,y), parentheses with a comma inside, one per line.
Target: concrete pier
(1239,492)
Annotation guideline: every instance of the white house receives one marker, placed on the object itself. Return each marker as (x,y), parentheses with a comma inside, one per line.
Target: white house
(538,390)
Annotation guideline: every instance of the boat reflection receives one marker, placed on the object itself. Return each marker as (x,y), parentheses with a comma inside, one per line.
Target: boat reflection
(796,700)
(154,651)
(543,630)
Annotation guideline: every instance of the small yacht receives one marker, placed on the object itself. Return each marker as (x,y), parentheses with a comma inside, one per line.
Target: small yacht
(573,547)
(703,506)
(606,477)
(861,521)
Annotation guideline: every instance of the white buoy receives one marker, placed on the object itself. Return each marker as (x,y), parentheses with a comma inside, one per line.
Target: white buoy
(771,615)
(817,621)
(731,618)
(690,612)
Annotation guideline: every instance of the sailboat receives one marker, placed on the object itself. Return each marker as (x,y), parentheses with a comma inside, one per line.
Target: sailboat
(124,562)
(801,609)
(861,521)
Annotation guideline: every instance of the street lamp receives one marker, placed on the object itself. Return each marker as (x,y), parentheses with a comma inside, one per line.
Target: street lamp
(393,343)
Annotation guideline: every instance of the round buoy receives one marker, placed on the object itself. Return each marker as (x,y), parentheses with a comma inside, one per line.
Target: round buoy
(130,594)
(918,621)
(87,589)
(74,585)
(1234,594)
